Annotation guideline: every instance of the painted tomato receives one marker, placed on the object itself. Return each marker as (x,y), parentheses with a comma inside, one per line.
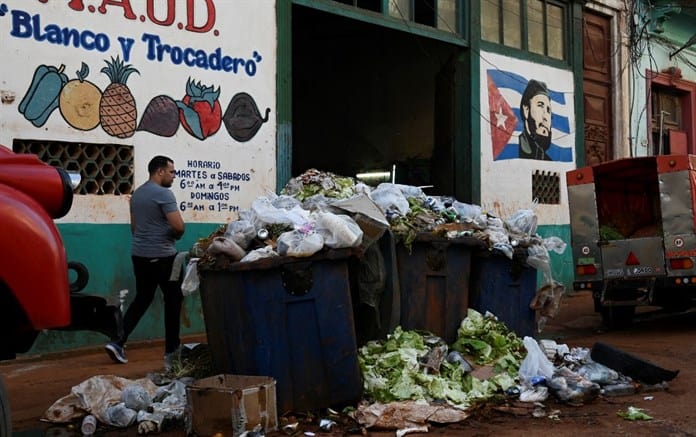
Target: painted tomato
(199,111)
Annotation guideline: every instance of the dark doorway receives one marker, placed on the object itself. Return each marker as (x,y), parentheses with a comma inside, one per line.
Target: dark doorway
(364,97)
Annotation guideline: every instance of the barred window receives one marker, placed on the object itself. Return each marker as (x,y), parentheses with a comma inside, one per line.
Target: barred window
(546,187)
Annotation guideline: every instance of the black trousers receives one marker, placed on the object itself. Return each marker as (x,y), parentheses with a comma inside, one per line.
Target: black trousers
(149,274)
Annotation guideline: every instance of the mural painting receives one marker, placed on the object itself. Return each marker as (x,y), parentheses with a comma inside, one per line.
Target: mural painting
(527,136)
(84,106)
(526,118)
(154,76)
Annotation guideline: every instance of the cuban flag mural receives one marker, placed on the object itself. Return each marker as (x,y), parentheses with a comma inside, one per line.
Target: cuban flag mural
(530,116)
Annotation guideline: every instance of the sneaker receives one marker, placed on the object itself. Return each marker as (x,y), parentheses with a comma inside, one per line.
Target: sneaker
(116,352)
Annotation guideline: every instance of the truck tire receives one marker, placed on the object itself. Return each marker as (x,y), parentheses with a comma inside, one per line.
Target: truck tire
(82,278)
(5,417)
(617,317)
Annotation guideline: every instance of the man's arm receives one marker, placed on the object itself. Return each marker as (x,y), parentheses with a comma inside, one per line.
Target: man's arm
(132,223)
(176,223)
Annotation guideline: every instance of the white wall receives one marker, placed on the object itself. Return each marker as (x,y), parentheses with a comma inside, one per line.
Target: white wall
(31,34)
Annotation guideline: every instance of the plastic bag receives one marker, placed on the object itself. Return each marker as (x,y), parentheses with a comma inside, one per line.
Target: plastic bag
(390,199)
(191,280)
(285,202)
(298,244)
(535,363)
(466,211)
(598,373)
(260,253)
(538,257)
(135,397)
(264,214)
(241,232)
(523,221)
(570,387)
(555,244)
(410,191)
(222,245)
(120,416)
(338,230)
(547,303)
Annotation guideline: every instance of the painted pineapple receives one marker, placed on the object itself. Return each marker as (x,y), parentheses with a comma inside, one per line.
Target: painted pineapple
(117,110)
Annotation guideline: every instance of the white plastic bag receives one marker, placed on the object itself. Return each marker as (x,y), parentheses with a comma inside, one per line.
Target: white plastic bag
(535,363)
(555,244)
(523,221)
(298,244)
(241,232)
(260,253)
(538,257)
(136,397)
(390,199)
(338,230)
(191,281)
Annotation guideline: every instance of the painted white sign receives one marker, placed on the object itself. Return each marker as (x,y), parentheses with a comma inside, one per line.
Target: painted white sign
(193,80)
(527,128)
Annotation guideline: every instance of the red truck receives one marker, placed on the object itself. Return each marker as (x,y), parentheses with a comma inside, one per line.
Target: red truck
(633,231)
(36,291)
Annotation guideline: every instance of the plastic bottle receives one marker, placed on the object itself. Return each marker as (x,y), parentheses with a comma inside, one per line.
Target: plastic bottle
(89,425)
(621,389)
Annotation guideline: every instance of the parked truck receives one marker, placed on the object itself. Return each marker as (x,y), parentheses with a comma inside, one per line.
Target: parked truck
(39,288)
(633,233)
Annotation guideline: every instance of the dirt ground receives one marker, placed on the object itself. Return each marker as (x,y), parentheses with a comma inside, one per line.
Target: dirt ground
(34,383)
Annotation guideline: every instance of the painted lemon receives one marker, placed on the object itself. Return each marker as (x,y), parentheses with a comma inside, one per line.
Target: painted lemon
(79,101)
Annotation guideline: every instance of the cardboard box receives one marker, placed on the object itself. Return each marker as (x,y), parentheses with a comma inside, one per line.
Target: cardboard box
(228,405)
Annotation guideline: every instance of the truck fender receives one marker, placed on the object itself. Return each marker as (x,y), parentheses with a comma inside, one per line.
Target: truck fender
(34,265)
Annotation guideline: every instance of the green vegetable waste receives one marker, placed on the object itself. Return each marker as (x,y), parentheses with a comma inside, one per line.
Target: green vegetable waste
(393,369)
(634,413)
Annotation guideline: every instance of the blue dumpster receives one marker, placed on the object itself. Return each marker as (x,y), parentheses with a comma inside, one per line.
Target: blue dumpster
(434,283)
(505,287)
(290,319)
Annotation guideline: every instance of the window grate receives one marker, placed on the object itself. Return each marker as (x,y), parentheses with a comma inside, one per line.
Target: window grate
(546,187)
(105,168)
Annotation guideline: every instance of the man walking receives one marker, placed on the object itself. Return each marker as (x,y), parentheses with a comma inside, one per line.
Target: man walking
(155,225)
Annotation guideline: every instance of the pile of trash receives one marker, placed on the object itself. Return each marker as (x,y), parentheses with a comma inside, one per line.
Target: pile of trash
(121,403)
(314,211)
(417,371)
(320,210)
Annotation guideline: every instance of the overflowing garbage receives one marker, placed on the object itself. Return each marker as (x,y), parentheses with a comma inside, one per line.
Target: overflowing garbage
(310,214)
(322,211)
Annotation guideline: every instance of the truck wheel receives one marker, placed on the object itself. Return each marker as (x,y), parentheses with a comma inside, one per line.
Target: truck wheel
(82,276)
(5,418)
(617,317)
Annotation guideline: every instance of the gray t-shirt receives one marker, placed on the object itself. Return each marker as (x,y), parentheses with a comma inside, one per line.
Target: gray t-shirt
(153,237)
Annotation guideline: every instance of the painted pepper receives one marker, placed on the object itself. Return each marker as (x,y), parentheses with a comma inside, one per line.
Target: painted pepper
(42,97)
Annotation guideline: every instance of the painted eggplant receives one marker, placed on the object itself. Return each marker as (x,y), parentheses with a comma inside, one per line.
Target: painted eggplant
(242,117)
(161,117)
(42,97)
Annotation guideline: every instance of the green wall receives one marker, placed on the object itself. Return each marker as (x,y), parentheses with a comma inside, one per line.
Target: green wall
(561,265)
(105,250)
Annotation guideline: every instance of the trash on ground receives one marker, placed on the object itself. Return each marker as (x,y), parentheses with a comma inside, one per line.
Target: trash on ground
(633,413)
(631,365)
